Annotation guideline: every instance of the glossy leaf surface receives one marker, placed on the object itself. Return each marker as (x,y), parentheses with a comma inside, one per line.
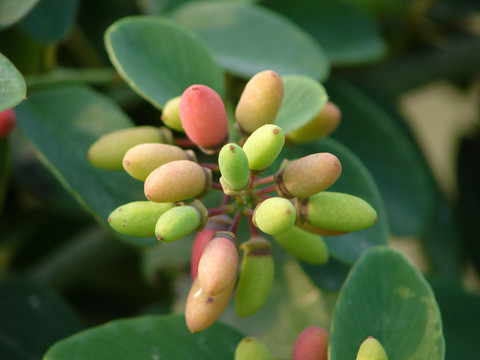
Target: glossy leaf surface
(12,89)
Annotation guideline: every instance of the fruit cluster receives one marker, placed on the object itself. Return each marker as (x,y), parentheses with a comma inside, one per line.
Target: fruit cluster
(291,205)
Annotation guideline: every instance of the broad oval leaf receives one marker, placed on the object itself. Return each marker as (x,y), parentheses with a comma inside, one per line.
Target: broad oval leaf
(50,20)
(148,338)
(12,84)
(389,154)
(349,34)
(12,11)
(355,180)
(159,59)
(62,123)
(386,297)
(303,99)
(248,39)
(32,318)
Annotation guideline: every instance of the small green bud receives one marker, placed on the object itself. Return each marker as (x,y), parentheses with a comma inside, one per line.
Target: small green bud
(323,124)
(263,147)
(137,218)
(371,349)
(337,212)
(202,309)
(218,264)
(259,102)
(234,168)
(311,344)
(274,215)
(251,348)
(171,115)
(108,151)
(142,159)
(180,221)
(308,175)
(176,181)
(256,276)
(303,245)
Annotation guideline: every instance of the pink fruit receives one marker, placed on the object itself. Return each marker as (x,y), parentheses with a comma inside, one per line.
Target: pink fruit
(311,344)
(8,120)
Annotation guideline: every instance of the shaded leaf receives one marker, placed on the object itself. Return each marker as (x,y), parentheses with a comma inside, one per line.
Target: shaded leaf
(248,39)
(12,11)
(12,85)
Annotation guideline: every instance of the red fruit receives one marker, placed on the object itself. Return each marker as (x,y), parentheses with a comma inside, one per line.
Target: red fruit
(204,118)
(311,344)
(8,120)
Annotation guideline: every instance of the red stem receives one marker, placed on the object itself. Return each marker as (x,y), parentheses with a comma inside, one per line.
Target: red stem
(266,190)
(213,167)
(216,186)
(184,143)
(220,210)
(235,221)
(225,200)
(264,181)
(253,228)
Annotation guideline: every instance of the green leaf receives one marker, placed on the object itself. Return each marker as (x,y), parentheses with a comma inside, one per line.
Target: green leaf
(32,318)
(12,84)
(248,39)
(303,99)
(62,123)
(50,20)
(355,180)
(12,11)
(387,298)
(389,154)
(348,33)
(461,319)
(147,338)
(159,59)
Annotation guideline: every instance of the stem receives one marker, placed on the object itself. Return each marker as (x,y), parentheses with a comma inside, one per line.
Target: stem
(184,143)
(236,219)
(220,210)
(217,186)
(213,167)
(253,228)
(264,181)
(225,200)
(252,180)
(266,190)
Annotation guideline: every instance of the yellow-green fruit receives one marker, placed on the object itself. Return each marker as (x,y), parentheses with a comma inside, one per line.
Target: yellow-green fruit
(371,349)
(274,215)
(260,101)
(218,264)
(176,181)
(142,159)
(171,115)
(256,276)
(263,147)
(337,211)
(108,151)
(202,309)
(303,245)
(233,164)
(251,348)
(180,221)
(309,175)
(323,124)
(137,218)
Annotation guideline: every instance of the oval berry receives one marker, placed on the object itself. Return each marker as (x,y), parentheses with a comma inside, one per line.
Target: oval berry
(203,117)
(176,181)
(251,348)
(142,159)
(311,344)
(171,114)
(263,147)
(234,169)
(274,215)
(8,120)
(260,101)
(371,349)
(308,175)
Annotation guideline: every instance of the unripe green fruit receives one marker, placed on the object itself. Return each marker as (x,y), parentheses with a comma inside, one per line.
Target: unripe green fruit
(308,175)
(303,245)
(202,310)
(337,211)
(311,344)
(260,101)
(204,117)
(274,215)
(142,159)
(314,230)
(218,264)
(108,151)
(176,181)
(251,348)
(138,218)
(323,124)
(371,349)
(234,168)
(180,221)
(171,114)
(256,276)
(263,147)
